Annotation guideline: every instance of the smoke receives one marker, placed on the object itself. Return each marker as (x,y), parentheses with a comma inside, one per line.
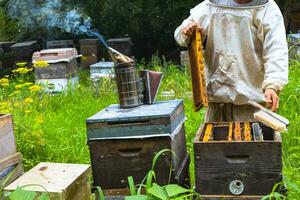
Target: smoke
(51,15)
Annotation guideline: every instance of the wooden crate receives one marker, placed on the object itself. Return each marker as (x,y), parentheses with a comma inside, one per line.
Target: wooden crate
(62,181)
(7,138)
(221,163)
(123,143)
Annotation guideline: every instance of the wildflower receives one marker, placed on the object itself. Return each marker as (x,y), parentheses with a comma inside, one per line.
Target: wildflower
(22,70)
(17,104)
(27,84)
(28,100)
(27,111)
(35,88)
(40,64)
(19,86)
(4,82)
(21,64)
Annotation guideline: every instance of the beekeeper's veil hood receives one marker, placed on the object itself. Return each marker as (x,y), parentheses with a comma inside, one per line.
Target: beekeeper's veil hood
(232,3)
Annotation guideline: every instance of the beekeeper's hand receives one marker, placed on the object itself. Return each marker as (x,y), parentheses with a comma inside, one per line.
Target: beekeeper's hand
(272,99)
(189,30)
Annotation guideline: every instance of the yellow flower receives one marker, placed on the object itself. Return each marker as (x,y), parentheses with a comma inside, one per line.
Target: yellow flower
(22,70)
(27,84)
(17,104)
(35,88)
(28,100)
(14,93)
(40,64)
(19,86)
(21,64)
(27,111)
(4,82)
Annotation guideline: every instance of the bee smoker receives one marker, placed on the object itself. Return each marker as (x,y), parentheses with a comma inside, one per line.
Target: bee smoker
(136,90)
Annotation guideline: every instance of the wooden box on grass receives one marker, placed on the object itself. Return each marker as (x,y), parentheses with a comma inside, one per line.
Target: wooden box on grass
(24,50)
(62,68)
(255,166)
(61,181)
(10,160)
(123,45)
(123,143)
(7,137)
(90,50)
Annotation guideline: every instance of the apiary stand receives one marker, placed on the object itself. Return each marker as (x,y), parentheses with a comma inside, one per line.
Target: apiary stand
(248,168)
(123,142)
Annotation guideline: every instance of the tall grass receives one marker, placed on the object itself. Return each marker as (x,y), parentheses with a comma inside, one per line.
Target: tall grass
(52,127)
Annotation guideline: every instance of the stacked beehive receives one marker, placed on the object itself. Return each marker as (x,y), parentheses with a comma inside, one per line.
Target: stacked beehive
(61,70)
(23,51)
(123,143)
(10,160)
(90,50)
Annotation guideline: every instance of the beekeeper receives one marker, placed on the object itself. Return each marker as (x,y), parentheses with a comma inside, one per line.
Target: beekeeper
(246,54)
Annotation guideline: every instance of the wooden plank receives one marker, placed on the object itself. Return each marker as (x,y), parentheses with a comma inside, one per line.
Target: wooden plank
(13,172)
(230,132)
(10,160)
(197,72)
(7,138)
(247,131)
(208,133)
(237,132)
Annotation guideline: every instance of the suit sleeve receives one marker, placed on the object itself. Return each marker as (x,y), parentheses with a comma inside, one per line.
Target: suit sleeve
(199,14)
(275,53)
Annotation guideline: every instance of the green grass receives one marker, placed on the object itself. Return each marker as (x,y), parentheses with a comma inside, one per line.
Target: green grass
(52,128)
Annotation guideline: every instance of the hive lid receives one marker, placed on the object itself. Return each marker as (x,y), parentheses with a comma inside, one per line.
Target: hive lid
(24,44)
(55,55)
(197,72)
(102,65)
(113,113)
(120,40)
(89,41)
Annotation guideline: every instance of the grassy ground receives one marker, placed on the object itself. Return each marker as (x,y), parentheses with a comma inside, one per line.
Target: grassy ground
(52,127)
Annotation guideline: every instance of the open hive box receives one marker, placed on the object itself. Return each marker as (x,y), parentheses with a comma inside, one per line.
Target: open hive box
(230,161)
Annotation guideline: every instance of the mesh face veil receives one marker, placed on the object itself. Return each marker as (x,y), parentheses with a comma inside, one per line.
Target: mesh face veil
(232,3)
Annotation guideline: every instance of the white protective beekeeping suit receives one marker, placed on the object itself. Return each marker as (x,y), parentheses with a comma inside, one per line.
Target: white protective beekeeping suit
(246,49)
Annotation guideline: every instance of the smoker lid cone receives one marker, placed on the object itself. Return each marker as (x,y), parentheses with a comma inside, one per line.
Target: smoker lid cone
(152,82)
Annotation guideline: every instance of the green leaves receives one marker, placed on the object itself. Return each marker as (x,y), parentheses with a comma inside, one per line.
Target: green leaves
(158,192)
(19,194)
(175,190)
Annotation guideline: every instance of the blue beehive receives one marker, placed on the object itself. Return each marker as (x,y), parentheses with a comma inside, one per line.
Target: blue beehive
(123,143)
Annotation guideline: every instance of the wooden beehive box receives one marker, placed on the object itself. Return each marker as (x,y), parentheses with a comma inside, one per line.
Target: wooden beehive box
(24,50)
(62,67)
(62,181)
(90,50)
(102,70)
(229,163)
(10,160)
(7,137)
(123,143)
(123,45)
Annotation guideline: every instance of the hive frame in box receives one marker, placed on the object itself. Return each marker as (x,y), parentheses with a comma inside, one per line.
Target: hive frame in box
(219,163)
